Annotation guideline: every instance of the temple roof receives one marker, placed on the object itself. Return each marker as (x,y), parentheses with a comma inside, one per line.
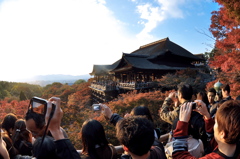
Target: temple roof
(159,55)
(160,47)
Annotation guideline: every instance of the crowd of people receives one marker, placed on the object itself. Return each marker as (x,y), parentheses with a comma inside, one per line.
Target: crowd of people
(205,126)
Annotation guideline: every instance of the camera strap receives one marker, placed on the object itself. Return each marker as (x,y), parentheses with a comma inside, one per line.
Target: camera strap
(45,131)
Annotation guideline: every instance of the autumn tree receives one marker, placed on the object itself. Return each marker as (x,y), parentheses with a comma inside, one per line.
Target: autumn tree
(225,27)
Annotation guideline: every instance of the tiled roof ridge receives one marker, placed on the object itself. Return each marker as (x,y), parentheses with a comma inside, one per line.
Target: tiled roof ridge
(155,42)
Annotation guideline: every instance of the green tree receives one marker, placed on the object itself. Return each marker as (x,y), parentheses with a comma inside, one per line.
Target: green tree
(79,81)
(22,96)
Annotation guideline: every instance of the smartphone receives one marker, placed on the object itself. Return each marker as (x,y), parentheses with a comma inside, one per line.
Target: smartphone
(194,105)
(96,107)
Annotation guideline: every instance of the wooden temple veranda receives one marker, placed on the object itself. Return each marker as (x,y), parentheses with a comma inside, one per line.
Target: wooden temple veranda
(140,69)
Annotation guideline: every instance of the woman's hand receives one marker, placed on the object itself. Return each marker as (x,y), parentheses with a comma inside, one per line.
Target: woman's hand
(202,109)
(107,112)
(185,112)
(127,115)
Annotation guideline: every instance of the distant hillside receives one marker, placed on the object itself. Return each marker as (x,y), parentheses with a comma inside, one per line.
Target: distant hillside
(44,80)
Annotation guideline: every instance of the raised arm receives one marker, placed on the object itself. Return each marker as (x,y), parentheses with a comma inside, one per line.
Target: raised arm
(180,144)
(109,115)
(168,112)
(65,149)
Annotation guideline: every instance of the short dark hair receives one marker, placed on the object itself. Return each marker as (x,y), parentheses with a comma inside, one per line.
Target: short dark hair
(136,133)
(39,119)
(228,119)
(226,87)
(186,91)
(202,95)
(212,90)
(142,110)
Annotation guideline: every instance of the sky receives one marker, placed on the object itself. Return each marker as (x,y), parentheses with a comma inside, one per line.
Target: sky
(42,37)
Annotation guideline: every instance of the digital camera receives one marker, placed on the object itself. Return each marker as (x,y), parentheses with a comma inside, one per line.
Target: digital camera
(194,105)
(96,107)
(39,106)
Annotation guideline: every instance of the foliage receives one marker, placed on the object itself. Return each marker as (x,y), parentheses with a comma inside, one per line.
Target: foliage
(79,81)
(76,104)
(197,79)
(126,102)
(225,28)
(22,96)
(232,8)
(16,107)
(13,89)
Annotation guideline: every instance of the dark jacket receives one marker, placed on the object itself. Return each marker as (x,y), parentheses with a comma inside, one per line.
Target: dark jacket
(107,152)
(155,153)
(116,117)
(65,149)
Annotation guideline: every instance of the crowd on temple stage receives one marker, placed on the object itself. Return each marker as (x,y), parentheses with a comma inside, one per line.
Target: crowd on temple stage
(207,126)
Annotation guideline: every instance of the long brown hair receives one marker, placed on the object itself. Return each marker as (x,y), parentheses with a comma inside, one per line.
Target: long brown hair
(20,131)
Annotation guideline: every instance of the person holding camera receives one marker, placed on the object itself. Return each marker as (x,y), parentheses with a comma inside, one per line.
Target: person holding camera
(138,111)
(170,108)
(226,131)
(64,147)
(51,118)
(170,115)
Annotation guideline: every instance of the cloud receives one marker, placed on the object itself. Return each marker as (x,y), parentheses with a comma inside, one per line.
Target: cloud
(59,36)
(153,15)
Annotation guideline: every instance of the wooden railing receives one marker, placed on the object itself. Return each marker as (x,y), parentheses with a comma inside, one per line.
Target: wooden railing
(129,86)
(103,87)
(136,85)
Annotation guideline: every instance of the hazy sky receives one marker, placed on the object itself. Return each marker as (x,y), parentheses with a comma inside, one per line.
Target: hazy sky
(40,37)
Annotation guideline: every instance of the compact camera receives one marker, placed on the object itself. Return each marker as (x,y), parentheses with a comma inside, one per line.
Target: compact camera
(96,107)
(39,106)
(194,105)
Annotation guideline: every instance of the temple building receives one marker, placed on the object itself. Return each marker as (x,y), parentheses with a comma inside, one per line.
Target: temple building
(140,69)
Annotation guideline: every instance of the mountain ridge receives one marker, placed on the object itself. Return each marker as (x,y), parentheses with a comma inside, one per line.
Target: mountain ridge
(44,80)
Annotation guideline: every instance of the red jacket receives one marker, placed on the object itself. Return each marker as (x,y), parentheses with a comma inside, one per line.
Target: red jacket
(180,149)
